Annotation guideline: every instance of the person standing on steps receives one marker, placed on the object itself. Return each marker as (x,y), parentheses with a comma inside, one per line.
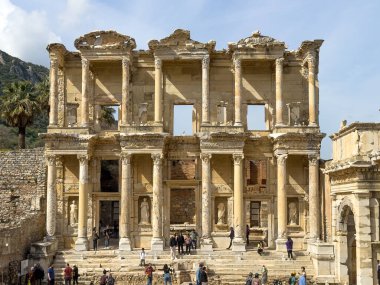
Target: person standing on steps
(106,238)
(289,248)
(188,244)
(194,238)
(292,279)
(167,276)
(264,275)
(95,238)
(67,273)
(172,243)
(247,232)
(75,275)
(180,242)
(149,274)
(198,274)
(302,278)
(256,280)
(248,281)
(204,277)
(232,236)
(103,278)
(142,257)
(51,275)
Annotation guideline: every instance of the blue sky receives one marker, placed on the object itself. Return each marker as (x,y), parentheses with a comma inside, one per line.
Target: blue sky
(349,69)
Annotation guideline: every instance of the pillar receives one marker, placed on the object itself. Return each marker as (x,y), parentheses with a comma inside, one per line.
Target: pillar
(238,243)
(206,242)
(85,99)
(238,91)
(279,97)
(205,90)
(125,205)
(312,95)
(81,243)
(51,199)
(125,100)
(53,115)
(158,90)
(314,205)
(157,239)
(281,202)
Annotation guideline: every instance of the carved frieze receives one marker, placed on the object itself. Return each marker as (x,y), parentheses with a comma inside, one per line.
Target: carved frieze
(61,97)
(254,41)
(298,141)
(105,40)
(221,188)
(143,141)
(222,141)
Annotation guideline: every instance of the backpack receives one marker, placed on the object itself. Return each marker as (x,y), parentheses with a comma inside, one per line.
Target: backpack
(110,281)
(249,281)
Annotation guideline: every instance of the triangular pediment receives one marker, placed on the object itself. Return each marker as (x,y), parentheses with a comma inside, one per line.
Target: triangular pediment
(104,40)
(256,40)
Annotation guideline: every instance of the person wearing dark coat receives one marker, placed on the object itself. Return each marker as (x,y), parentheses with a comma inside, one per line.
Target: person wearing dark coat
(232,236)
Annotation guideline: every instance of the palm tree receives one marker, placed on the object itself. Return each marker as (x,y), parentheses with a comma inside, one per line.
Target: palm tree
(18,107)
(43,92)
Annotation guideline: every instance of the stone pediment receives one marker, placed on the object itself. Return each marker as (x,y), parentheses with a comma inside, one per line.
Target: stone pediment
(180,40)
(105,40)
(256,40)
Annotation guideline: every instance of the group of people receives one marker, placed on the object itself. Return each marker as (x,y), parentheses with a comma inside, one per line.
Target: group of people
(107,279)
(201,277)
(167,274)
(254,279)
(70,274)
(178,241)
(95,238)
(35,275)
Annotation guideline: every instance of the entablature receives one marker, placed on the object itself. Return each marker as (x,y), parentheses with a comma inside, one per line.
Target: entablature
(297,143)
(222,143)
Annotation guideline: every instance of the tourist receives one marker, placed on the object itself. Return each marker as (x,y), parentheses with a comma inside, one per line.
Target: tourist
(75,275)
(167,277)
(194,238)
(173,243)
(95,238)
(302,278)
(149,274)
(188,244)
(204,278)
(198,274)
(378,272)
(289,248)
(180,242)
(264,275)
(51,275)
(103,278)
(142,257)
(110,279)
(260,249)
(232,236)
(67,273)
(292,279)
(30,278)
(39,273)
(248,281)
(247,232)
(106,238)
(256,280)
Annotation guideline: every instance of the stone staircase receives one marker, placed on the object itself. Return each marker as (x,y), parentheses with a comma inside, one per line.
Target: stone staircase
(224,266)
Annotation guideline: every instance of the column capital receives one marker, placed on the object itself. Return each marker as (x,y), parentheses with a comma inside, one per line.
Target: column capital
(313,159)
(281,158)
(51,159)
(83,158)
(237,63)
(311,62)
(53,63)
(205,157)
(206,62)
(157,62)
(85,62)
(125,158)
(157,158)
(279,62)
(125,62)
(237,158)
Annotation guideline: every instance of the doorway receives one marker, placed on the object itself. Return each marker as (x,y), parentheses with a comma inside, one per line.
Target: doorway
(109,221)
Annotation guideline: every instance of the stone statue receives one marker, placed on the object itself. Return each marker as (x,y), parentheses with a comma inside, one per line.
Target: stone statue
(221,213)
(293,214)
(144,211)
(73,214)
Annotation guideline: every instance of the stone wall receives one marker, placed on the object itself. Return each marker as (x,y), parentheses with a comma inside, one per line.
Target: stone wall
(22,196)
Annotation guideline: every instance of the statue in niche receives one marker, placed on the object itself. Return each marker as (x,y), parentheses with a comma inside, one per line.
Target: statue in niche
(293,214)
(144,212)
(221,213)
(73,214)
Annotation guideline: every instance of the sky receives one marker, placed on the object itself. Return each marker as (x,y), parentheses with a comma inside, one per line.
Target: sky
(349,67)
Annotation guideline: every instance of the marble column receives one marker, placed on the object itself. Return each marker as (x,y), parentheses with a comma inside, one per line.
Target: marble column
(158,90)
(279,96)
(314,206)
(238,243)
(125,205)
(206,242)
(281,202)
(238,91)
(81,243)
(125,100)
(157,239)
(53,114)
(85,95)
(312,94)
(205,90)
(51,198)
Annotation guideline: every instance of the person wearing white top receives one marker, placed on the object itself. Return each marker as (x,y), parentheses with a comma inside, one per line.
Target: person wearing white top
(142,257)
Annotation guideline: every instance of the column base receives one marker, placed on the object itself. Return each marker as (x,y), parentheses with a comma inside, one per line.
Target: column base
(81,244)
(280,125)
(238,244)
(238,124)
(206,245)
(125,244)
(157,244)
(281,245)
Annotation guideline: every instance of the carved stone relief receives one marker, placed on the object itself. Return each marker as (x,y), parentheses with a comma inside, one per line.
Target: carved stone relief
(293,212)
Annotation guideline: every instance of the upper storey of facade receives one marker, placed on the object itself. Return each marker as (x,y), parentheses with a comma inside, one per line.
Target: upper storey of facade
(143,87)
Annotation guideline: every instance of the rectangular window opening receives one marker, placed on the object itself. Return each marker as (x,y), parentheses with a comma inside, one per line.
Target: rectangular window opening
(256,117)
(183,120)
(109,176)
(255,213)
(107,117)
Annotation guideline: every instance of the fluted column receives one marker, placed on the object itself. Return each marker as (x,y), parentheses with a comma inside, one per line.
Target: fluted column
(281,202)
(85,99)
(238,91)
(206,242)
(157,239)
(81,243)
(53,114)
(239,225)
(205,90)
(312,98)
(125,205)
(125,100)
(314,206)
(158,90)
(279,97)
(51,197)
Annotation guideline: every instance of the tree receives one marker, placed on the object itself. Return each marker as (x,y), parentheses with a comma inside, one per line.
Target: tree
(107,119)
(19,106)
(43,93)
